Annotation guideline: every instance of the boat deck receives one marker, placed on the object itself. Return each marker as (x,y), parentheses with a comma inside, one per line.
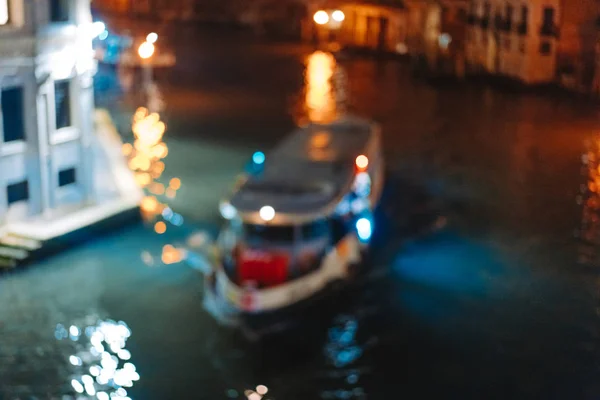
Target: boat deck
(308,171)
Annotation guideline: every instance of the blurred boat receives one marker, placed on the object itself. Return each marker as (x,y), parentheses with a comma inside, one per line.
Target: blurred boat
(298,224)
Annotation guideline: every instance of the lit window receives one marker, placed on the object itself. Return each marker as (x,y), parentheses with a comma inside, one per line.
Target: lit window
(17,192)
(62,103)
(13,121)
(59,10)
(4,16)
(66,177)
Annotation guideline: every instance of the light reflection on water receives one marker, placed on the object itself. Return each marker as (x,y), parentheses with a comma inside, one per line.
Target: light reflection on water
(589,200)
(342,351)
(146,159)
(324,89)
(101,366)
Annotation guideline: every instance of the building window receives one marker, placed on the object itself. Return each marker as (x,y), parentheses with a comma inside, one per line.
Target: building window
(4,13)
(522,47)
(524,18)
(59,10)
(508,18)
(485,19)
(545,48)
(66,177)
(548,27)
(13,121)
(62,103)
(17,192)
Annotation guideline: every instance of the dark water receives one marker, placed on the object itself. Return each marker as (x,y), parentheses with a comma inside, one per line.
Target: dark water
(500,304)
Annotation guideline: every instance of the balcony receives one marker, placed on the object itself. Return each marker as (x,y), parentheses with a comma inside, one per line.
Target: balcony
(549,30)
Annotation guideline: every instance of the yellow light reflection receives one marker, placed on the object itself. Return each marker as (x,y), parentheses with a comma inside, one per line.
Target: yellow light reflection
(146,157)
(127,149)
(171,255)
(150,204)
(175,183)
(143,179)
(160,227)
(589,201)
(170,193)
(320,102)
(157,188)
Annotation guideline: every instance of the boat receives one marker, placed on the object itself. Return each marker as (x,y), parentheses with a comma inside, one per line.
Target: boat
(299,222)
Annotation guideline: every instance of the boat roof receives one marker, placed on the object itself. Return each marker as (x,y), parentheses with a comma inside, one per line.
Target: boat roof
(307,173)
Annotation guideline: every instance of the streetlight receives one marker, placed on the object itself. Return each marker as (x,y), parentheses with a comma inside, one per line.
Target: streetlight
(321,17)
(338,16)
(152,37)
(146,50)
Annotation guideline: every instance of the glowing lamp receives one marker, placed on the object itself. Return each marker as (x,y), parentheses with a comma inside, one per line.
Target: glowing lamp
(338,16)
(146,50)
(258,158)
(152,37)
(364,229)
(227,211)
(362,162)
(321,17)
(103,35)
(267,213)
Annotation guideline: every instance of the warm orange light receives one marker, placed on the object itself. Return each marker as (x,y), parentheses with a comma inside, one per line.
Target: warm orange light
(157,188)
(149,204)
(362,162)
(143,179)
(127,149)
(160,227)
(171,255)
(175,183)
(170,193)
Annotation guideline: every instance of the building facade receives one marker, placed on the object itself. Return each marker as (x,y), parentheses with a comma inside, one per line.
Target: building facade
(186,10)
(46,114)
(444,36)
(534,41)
(381,26)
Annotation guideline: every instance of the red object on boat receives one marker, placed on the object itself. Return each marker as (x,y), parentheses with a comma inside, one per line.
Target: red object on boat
(263,268)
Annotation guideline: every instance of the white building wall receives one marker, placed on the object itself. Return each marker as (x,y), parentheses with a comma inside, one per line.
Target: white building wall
(35,53)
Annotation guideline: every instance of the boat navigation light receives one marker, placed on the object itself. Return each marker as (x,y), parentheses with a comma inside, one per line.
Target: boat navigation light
(227,210)
(258,158)
(267,213)
(362,162)
(364,229)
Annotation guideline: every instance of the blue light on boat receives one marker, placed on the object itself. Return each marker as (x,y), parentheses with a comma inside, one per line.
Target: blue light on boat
(258,158)
(364,229)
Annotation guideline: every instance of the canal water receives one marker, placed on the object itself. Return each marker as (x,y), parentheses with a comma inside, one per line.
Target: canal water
(501,303)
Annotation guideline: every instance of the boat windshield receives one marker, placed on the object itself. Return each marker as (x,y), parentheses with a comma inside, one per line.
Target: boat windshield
(315,230)
(266,233)
(285,233)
